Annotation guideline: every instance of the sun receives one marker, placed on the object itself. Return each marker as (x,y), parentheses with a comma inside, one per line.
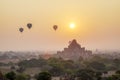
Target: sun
(72,26)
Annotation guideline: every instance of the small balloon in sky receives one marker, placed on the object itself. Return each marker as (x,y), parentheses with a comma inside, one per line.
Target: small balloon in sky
(21,29)
(55,27)
(29,25)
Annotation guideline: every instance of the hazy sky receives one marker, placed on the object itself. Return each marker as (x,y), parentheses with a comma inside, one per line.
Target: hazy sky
(97,24)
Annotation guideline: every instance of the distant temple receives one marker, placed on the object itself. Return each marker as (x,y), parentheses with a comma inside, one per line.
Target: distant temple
(74,52)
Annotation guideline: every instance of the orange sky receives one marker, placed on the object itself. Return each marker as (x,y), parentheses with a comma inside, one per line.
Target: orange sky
(97,24)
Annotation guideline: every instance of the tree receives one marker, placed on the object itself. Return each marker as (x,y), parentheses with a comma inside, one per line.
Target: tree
(32,63)
(85,74)
(11,75)
(44,76)
(57,67)
(97,66)
(98,75)
(116,76)
(22,77)
(56,70)
(116,63)
(1,76)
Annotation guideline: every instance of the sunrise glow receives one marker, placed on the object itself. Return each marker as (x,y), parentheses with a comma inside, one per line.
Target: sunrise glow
(72,25)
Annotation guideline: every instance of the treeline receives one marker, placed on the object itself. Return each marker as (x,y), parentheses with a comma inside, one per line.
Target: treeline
(21,76)
(96,63)
(84,69)
(83,74)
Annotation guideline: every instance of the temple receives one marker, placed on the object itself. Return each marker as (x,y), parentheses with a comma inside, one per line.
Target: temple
(74,52)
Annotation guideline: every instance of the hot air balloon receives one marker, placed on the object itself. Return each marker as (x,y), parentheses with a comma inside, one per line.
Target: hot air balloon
(55,27)
(29,25)
(21,30)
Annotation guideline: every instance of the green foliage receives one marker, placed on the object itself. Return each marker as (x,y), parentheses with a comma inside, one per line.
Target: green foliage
(33,63)
(116,76)
(56,70)
(97,63)
(60,66)
(116,63)
(97,66)
(11,75)
(22,77)
(85,74)
(89,69)
(44,76)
